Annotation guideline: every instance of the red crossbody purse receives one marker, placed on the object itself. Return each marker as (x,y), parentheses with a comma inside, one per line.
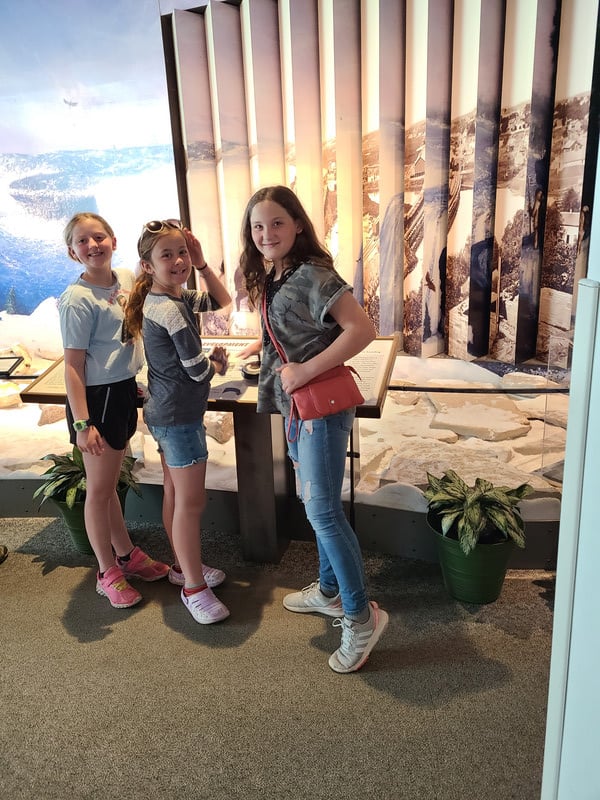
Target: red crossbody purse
(330,392)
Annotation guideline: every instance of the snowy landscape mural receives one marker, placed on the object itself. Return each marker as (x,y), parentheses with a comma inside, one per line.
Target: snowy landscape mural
(81,128)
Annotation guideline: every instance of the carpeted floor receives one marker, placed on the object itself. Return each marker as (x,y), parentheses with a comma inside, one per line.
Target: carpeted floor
(144,703)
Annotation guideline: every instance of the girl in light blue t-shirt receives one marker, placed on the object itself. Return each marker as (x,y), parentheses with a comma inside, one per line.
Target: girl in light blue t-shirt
(101,362)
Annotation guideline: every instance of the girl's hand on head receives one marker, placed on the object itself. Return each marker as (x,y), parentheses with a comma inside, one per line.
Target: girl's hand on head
(195,248)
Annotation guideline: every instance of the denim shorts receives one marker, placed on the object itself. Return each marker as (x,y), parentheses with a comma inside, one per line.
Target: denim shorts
(181,445)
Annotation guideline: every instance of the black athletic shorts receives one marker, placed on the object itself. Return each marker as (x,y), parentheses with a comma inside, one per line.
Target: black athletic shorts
(112,408)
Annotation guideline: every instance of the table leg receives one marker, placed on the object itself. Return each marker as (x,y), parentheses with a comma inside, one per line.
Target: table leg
(263,483)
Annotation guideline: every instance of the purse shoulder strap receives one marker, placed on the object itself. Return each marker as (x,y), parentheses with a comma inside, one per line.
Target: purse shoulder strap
(293,410)
(265,315)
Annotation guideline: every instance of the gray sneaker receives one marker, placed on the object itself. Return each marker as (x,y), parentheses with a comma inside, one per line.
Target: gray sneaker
(358,640)
(311,599)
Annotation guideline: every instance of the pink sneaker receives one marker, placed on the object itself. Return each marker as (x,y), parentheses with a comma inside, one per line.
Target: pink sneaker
(140,565)
(114,586)
(205,607)
(212,576)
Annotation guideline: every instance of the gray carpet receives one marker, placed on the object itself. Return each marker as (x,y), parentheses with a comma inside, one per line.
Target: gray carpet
(145,703)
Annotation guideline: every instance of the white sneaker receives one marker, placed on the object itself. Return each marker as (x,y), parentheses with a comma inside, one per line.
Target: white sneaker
(312,599)
(358,639)
(205,607)
(212,576)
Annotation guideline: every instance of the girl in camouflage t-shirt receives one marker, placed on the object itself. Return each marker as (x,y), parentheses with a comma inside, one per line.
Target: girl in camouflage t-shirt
(319,325)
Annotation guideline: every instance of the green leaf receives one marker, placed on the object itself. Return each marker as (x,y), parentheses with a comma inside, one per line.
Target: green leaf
(447,521)
(452,478)
(472,509)
(78,458)
(66,479)
(71,495)
(483,486)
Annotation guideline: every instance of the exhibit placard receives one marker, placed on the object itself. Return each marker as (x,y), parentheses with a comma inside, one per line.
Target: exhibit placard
(374,366)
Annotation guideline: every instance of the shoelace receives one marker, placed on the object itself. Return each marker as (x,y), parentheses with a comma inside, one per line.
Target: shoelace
(351,643)
(348,633)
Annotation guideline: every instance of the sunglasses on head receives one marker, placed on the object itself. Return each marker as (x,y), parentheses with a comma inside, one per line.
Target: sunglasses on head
(157,225)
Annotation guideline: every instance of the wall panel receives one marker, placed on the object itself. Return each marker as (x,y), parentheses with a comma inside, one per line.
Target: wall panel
(425,140)
(196,117)
(385,234)
(262,80)
(454,269)
(300,66)
(228,107)
(437,159)
(339,44)
(485,174)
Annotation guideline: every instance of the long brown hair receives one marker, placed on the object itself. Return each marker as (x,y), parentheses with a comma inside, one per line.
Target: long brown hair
(306,248)
(134,315)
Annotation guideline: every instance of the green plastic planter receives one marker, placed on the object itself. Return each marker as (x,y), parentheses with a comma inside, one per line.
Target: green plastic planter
(75,523)
(475,578)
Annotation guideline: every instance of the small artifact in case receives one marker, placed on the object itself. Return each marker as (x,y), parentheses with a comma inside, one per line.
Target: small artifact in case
(250,370)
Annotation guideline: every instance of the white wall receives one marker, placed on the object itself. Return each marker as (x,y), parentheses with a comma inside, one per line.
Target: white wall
(571,763)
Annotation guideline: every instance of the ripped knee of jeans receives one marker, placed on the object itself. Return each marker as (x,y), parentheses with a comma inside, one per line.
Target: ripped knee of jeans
(306,492)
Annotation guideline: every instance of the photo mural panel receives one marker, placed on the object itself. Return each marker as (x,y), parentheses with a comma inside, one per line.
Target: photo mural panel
(520,26)
(366,275)
(456,265)
(228,108)
(537,175)
(340,50)
(566,238)
(590,160)
(262,79)
(75,137)
(437,159)
(412,133)
(485,175)
(384,211)
(414,166)
(301,86)
(189,36)
(197,123)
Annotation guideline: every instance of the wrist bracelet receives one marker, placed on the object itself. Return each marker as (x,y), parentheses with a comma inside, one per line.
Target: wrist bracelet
(201,269)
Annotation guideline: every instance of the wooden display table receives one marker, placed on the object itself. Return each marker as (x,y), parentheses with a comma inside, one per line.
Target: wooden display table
(265,482)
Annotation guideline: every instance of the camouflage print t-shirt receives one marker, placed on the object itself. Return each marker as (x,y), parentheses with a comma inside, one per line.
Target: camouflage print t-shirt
(299,318)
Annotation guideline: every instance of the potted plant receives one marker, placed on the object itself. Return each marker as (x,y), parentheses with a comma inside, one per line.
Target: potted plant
(64,483)
(476,529)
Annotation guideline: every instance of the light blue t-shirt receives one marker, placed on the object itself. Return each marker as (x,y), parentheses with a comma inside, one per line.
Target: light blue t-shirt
(92,319)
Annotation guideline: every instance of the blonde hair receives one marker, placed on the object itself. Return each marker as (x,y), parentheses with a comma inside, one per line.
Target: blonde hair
(80,217)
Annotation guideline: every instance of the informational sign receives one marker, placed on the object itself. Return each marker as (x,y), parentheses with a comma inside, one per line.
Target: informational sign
(374,366)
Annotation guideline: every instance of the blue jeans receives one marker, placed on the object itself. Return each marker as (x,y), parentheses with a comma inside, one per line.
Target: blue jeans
(319,458)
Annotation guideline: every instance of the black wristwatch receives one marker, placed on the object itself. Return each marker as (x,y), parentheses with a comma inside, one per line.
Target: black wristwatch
(82,424)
